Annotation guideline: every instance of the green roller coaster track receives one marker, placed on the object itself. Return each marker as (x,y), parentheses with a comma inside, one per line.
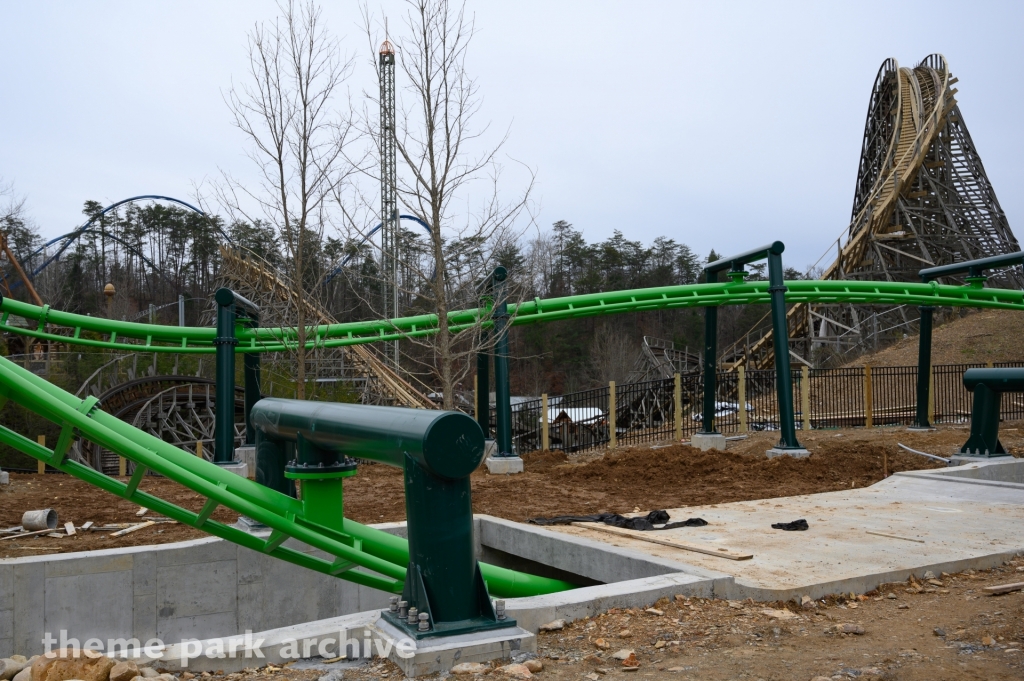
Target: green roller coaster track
(358,553)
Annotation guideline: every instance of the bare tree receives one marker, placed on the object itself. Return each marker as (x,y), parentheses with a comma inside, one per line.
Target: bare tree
(444,158)
(612,353)
(297,142)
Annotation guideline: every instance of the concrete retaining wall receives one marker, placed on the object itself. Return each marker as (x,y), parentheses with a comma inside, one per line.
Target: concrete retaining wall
(194,589)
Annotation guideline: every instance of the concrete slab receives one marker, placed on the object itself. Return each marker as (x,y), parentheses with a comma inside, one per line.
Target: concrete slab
(908,524)
(795,453)
(504,465)
(706,441)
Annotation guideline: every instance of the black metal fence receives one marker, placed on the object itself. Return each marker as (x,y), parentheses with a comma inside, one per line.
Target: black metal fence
(747,401)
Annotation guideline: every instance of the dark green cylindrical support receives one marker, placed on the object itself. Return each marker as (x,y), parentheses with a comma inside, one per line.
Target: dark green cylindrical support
(502,394)
(780,338)
(988,386)
(438,451)
(224,424)
(924,365)
(251,369)
(483,387)
(710,362)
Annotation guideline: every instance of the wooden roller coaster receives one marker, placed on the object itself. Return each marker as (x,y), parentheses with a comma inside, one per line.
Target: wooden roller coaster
(922,199)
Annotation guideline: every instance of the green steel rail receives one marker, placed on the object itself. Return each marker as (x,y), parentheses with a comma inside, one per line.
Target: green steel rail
(358,546)
(65,327)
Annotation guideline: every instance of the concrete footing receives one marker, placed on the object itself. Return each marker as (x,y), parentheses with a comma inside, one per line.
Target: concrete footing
(434,655)
(247,454)
(962,459)
(706,441)
(504,465)
(5,478)
(237,467)
(795,453)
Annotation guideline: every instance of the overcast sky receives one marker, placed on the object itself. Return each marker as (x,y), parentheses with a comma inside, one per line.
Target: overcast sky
(720,124)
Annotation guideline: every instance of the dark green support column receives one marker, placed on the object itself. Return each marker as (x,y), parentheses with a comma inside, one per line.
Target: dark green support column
(780,338)
(984,439)
(251,369)
(437,452)
(224,424)
(924,366)
(483,387)
(502,394)
(710,362)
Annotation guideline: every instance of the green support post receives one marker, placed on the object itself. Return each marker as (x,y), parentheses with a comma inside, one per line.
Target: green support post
(224,423)
(988,386)
(924,366)
(710,361)
(780,337)
(437,451)
(502,394)
(483,387)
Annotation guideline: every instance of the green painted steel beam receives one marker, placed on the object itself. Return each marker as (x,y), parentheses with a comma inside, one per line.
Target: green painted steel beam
(382,557)
(110,334)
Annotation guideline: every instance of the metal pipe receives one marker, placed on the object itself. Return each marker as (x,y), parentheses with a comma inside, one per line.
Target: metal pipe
(710,360)
(225,342)
(930,456)
(780,338)
(502,389)
(483,386)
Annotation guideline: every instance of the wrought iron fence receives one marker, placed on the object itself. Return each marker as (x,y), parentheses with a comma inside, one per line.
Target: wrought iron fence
(747,401)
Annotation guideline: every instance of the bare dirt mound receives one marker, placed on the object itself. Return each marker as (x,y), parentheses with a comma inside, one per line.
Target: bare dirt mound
(980,337)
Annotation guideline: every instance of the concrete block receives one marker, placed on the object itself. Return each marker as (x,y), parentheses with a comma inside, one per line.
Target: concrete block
(246,454)
(5,478)
(144,573)
(203,589)
(439,655)
(72,565)
(490,447)
(236,467)
(706,441)
(144,616)
(6,588)
(97,605)
(795,453)
(29,606)
(504,465)
(6,625)
(172,630)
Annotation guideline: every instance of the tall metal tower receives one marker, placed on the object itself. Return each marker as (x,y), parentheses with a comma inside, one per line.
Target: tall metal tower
(388,193)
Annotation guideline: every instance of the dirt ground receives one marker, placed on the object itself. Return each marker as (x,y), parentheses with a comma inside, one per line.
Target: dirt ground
(642,478)
(937,630)
(980,336)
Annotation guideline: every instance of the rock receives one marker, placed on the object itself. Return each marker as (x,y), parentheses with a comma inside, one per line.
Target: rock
(149,673)
(625,633)
(870,671)
(469,668)
(806,603)
(987,641)
(166,677)
(891,597)
(516,671)
(602,644)
(622,654)
(737,605)
(659,644)
(779,614)
(822,678)
(592,676)
(655,611)
(71,663)
(677,669)
(534,666)
(680,598)
(855,629)
(903,606)
(125,670)
(935,582)
(631,661)
(929,575)
(939,631)
(9,667)
(25,674)
(557,625)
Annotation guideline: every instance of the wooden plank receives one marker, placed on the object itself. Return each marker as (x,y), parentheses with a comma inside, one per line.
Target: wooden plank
(141,512)
(70,529)
(133,528)
(87,526)
(25,534)
(1004,588)
(685,546)
(893,536)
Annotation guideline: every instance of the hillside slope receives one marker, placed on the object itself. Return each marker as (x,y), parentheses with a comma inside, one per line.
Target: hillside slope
(979,337)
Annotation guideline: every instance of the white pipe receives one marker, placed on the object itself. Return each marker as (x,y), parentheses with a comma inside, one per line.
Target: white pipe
(930,456)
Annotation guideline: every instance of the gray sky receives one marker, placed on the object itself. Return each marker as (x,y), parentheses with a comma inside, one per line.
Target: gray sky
(720,124)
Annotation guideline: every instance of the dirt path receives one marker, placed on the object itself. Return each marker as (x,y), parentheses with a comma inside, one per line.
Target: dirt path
(641,478)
